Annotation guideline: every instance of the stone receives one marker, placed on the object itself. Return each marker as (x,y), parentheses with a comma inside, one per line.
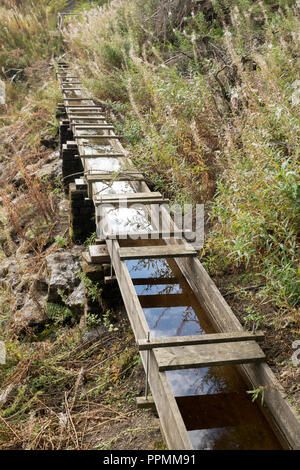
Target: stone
(63,207)
(75,301)
(95,334)
(32,313)
(63,267)
(8,271)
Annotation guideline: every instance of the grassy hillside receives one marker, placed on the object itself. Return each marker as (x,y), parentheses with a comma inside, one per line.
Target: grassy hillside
(206,94)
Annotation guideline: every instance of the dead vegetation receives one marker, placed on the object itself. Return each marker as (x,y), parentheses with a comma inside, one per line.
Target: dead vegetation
(75,394)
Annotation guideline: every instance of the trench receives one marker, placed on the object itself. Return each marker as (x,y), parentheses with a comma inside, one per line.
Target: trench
(213,403)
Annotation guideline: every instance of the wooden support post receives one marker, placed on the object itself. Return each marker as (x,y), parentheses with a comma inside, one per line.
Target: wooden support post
(145,403)
(212,338)
(208,355)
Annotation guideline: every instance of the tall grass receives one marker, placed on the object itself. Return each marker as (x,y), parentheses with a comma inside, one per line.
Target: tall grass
(26,32)
(207,98)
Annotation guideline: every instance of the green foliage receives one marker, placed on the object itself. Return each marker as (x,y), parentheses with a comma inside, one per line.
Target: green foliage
(26,33)
(94,290)
(260,391)
(90,240)
(179,72)
(61,241)
(92,321)
(58,313)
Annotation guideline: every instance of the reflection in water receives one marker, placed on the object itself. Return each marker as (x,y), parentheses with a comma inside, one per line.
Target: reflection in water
(94,147)
(107,164)
(115,187)
(213,402)
(172,321)
(156,289)
(126,219)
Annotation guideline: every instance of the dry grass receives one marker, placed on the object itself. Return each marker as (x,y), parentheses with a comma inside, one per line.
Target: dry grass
(66,394)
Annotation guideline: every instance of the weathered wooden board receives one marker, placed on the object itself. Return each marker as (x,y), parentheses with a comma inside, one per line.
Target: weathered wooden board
(145,403)
(206,355)
(97,136)
(153,234)
(130,198)
(211,338)
(101,126)
(112,176)
(172,424)
(145,281)
(131,202)
(127,196)
(84,107)
(99,254)
(84,117)
(163,251)
(100,155)
(78,98)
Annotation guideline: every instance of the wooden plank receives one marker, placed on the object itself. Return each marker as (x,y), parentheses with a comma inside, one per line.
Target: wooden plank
(109,280)
(100,155)
(130,202)
(172,424)
(78,98)
(119,196)
(163,251)
(145,403)
(99,254)
(86,118)
(97,136)
(153,234)
(211,338)
(112,176)
(130,198)
(84,107)
(101,126)
(145,281)
(208,355)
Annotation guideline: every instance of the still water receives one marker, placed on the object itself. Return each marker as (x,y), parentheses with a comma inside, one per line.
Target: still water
(217,411)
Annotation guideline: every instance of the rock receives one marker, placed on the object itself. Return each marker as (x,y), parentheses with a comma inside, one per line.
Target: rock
(40,286)
(8,270)
(63,207)
(63,267)
(75,301)
(4,266)
(52,169)
(53,156)
(31,313)
(5,393)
